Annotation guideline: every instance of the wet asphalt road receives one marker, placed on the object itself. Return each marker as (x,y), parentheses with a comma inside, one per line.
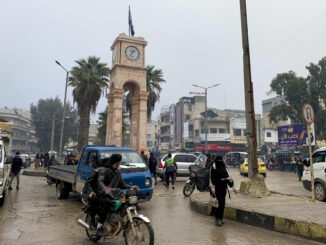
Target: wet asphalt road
(33,215)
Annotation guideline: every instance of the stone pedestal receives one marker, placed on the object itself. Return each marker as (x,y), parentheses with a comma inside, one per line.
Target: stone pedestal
(255,187)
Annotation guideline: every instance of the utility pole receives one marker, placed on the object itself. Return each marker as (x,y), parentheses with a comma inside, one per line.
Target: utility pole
(52,134)
(64,110)
(256,186)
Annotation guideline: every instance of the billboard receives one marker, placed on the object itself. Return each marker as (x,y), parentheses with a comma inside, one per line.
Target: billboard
(294,135)
(185,130)
(238,123)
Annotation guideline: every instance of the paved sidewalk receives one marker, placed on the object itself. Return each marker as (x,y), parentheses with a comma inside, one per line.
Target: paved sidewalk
(278,212)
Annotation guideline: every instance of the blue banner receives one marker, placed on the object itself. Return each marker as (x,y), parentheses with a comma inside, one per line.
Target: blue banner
(292,135)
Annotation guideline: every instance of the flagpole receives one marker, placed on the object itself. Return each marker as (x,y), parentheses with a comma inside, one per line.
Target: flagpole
(129,20)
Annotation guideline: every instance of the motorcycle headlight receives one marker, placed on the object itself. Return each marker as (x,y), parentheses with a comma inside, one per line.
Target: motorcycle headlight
(147,182)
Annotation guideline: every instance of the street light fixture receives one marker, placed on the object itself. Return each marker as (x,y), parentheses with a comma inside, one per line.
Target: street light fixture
(64,109)
(206,109)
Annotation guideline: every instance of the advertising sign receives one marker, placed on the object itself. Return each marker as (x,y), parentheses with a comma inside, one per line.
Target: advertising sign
(239,123)
(214,137)
(185,130)
(293,135)
(214,147)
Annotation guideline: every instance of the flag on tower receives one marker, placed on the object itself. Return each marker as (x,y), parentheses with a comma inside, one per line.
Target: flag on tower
(131,27)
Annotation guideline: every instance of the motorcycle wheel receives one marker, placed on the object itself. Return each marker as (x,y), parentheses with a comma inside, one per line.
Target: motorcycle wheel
(188,189)
(91,233)
(144,232)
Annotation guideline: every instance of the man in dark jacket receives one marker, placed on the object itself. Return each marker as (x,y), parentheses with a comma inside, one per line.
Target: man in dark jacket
(99,184)
(144,157)
(152,166)
(16,166)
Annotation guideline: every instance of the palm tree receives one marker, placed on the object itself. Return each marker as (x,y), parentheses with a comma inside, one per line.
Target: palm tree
(88,78)
(153,79)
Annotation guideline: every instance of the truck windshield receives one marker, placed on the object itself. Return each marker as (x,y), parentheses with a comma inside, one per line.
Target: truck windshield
(130,159)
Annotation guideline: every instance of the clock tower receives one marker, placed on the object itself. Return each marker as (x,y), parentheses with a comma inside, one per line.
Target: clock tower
(128,72)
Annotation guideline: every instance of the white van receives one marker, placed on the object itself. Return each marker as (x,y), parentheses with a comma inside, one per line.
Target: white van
(319,162)
(4,171)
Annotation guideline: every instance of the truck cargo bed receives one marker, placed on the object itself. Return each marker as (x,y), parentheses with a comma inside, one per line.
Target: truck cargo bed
(63,172)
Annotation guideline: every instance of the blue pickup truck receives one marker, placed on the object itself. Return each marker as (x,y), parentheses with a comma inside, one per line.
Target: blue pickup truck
(73,177)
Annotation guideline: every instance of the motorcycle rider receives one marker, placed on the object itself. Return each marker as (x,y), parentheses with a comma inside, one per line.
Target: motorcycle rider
(100,183)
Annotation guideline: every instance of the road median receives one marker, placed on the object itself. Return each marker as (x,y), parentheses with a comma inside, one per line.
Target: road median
(283,213)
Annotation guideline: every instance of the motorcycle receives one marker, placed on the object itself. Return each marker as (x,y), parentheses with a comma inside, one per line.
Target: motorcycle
(123,217)
(199,178)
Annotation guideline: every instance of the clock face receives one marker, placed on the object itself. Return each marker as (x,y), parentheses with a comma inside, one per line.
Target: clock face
(132,53)
(114,53)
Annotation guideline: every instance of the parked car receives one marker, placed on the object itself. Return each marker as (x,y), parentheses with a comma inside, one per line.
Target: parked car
(261,167)
(26,160)
(183,161)
(319,162)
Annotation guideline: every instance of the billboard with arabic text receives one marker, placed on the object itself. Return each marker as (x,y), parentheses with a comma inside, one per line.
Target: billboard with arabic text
(293,135)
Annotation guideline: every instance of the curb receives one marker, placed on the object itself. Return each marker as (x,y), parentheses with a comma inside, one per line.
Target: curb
(304,229)
(34,173)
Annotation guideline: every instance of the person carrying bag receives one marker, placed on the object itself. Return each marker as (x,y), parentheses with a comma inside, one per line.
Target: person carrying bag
(219,182)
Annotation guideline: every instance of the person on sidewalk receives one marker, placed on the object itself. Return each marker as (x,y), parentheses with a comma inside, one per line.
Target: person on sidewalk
(219,182)
(37,161)
(16,166)
(170,171)
(152,166)
(144,157)
(300,167)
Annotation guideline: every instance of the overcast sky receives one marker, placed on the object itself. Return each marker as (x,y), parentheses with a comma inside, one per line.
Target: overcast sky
(191,41)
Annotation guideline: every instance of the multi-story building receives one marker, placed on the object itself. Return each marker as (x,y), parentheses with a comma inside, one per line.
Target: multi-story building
(186,111)
(164,129)
(152,142)
(226,129)
(269,130)
(92,133)
(23,132)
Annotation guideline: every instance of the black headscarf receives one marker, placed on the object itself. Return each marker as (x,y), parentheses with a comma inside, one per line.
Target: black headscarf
(220,167)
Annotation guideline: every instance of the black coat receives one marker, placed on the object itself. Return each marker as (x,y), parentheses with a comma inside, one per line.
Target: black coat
(219,177)
(152,164)
(17,164)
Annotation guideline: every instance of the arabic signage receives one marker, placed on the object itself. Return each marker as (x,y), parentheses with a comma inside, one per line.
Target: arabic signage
(238,123)
(293,135)
(214,137)
(214,147)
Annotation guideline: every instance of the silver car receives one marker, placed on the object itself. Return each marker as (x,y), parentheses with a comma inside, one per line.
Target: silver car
(183,161)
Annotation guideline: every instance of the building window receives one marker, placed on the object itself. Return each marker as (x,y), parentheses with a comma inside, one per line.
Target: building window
(222,130)
(237,132)
(245,132)
(197,132)
(213,130)
(268,134)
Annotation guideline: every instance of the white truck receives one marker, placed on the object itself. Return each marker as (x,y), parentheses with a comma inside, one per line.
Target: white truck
(319,162)
(5,158)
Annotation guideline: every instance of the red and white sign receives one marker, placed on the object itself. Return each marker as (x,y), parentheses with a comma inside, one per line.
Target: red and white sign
(214,147)
(308,113)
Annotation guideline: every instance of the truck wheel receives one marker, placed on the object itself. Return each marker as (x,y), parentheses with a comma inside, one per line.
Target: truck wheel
(61,191)
(320,192)
(2,199)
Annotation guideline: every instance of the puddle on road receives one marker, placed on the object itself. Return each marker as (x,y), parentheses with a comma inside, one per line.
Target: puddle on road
(11,235)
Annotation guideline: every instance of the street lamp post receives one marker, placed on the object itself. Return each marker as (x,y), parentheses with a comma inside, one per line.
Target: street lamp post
(205,110)
(64,110)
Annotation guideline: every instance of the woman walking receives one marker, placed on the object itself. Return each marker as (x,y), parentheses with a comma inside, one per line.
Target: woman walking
(37,161)
(219,182)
